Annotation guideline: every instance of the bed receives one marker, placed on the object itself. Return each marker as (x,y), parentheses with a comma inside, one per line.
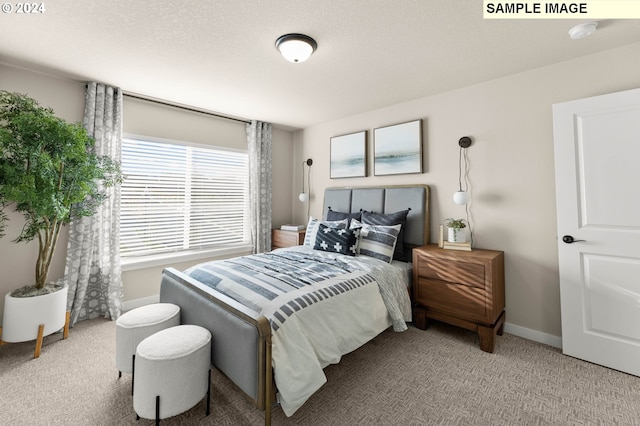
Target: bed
(261,340)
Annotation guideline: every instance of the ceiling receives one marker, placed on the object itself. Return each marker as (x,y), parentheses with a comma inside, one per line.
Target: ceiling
(219,55)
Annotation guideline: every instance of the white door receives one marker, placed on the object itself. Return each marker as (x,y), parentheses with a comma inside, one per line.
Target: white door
(597,161)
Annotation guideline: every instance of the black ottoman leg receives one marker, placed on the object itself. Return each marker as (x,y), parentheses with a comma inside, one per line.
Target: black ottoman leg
(209,393)
(158,410)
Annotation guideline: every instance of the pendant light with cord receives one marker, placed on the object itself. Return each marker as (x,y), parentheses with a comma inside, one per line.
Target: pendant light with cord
(304,196)
(462,196)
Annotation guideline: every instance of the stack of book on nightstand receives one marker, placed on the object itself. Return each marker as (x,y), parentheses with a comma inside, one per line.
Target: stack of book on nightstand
(456,246)
(291,227)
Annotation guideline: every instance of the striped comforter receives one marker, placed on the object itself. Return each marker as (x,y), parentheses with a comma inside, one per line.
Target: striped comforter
(320,306)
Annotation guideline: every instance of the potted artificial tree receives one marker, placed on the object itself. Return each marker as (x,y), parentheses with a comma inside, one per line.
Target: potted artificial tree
(455,230)
(50,173)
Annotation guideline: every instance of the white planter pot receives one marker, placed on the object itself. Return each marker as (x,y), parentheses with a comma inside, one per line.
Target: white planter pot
(457,236)
(23,315)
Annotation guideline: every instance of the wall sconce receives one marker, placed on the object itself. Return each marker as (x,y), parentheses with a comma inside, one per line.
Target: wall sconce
(462,196)
(296,47)
(304,196)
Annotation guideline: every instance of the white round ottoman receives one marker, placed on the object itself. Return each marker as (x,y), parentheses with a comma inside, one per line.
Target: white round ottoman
(172,372)
(136,325)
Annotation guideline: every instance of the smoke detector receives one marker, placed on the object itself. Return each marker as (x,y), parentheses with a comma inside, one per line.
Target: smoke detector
(583,30)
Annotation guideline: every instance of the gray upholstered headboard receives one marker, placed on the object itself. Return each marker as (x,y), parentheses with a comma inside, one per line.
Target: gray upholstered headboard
(386,199)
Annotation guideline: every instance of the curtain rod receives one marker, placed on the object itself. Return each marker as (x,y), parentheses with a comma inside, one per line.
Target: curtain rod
(186,108)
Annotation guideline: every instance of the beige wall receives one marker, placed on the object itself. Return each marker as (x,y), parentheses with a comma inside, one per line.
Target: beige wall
(66,97)
(511,166)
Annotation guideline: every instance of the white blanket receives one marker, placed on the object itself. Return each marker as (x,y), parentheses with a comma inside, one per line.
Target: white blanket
(314,325)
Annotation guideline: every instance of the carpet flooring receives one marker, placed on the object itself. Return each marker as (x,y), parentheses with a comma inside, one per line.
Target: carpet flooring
(433,377)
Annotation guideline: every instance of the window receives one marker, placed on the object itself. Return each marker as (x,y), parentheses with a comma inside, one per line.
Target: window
(178,197)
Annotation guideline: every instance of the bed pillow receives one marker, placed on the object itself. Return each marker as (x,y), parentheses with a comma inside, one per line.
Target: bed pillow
(396,218)
(312,229)
(376,241)
(334,215)
(335,240)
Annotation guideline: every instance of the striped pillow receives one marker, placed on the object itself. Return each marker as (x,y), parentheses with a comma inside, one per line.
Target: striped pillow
(390,219)
(377,241)
(336,240)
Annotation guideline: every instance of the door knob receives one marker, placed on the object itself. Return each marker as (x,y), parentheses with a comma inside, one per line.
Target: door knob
(570,240)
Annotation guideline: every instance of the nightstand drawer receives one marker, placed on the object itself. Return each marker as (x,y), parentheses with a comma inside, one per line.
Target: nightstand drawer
(280,238)
(470,274)
(461,300)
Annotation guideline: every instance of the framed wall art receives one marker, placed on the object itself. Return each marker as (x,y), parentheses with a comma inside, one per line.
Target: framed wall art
(398,149)
(348,156)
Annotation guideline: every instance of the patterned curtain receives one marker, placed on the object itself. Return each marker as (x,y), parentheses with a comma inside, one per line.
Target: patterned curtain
(93,270)
(259,141)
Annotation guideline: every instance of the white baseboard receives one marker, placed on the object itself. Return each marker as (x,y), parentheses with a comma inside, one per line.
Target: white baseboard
(516,330)
(535,335)
(136,303)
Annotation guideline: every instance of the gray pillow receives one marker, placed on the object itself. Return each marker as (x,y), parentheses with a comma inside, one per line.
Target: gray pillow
(334,215)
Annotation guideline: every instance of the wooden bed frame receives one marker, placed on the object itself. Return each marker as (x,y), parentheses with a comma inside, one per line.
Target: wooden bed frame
(241,345)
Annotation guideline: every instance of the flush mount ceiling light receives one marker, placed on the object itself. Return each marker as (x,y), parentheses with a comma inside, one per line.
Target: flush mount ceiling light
(583,30)
(296,47)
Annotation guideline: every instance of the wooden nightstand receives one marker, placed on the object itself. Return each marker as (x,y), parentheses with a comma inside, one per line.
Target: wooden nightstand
(463,288)
(280,238)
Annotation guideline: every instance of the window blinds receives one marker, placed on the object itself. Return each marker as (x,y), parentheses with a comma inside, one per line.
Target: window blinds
(177,197)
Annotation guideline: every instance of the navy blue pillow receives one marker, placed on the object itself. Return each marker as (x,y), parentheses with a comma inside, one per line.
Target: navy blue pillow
(334,215)
(336,240)
(396,218)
